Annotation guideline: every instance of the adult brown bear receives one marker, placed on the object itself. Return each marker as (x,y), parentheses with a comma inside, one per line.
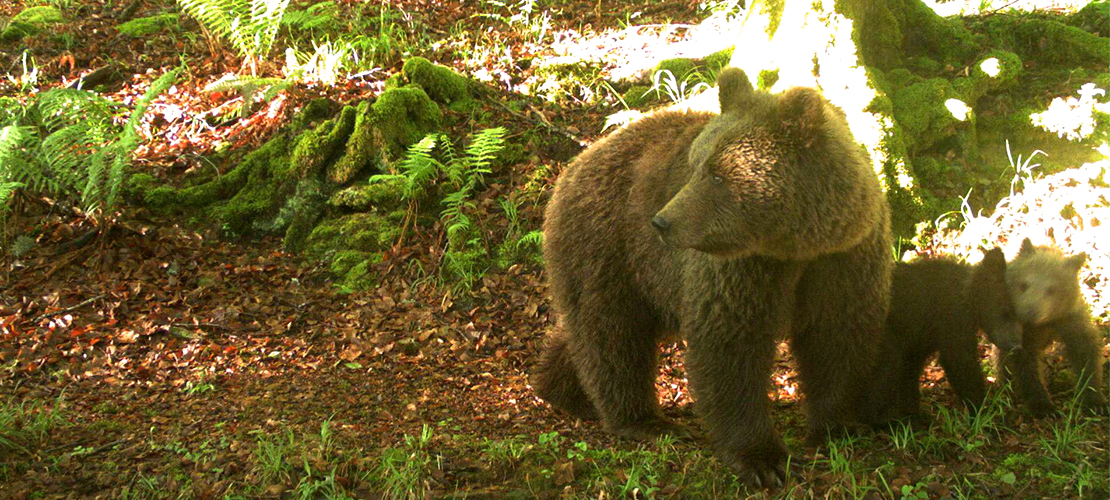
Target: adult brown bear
(733,230)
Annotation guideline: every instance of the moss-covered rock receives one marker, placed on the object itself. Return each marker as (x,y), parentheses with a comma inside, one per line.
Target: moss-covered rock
(146,26)
(440,83)
(362,197)
(31,21)
(403,116)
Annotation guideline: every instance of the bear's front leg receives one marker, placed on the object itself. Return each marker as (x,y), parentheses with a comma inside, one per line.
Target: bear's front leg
(1081,339)
(1022,368)
(731,327)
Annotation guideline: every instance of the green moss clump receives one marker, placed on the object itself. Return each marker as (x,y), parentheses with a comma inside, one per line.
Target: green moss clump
(363,197)
(767,79)
(362,148)
(441,84)
(146,26)
(1003,65)
(1094,18)
(403,116)
(315,109)
(31,21)
(717,61)
(639,96)
(680,67)
(316,148)
(921,112)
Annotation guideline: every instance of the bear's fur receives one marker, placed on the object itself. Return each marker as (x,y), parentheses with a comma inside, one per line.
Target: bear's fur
(769,222)
(939,306)
(1044,287)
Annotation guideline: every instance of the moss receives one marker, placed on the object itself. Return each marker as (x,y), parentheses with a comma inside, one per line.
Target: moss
(998,69)
(1094,18)
(680,67)
(300,213)
(921,112)
(403,116)
(767,79)
(365,196)
(923,65)
(441,84)
(316,148)
(362,276)
(639,96)
(31,21)
(345,260)
(773,9)
(315,109)
(362,148)
(1046,40)
(717,61)
(146,26)
(395,82)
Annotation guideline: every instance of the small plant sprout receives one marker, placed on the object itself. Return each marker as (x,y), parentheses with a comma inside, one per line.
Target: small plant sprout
(1023,171)
(676,90)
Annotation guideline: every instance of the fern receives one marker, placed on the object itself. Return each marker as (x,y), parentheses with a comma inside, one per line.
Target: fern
(250,25)
(418,169)
(66,143)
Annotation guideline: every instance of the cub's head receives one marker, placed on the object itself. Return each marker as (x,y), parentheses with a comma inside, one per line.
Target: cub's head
(775,175)
(990,300)
(1043,283)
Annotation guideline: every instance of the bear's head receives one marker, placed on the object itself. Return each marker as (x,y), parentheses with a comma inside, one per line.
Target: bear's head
(774,175)
(990,301)
(1043,283)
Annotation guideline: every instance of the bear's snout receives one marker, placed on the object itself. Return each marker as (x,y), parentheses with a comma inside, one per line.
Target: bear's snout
(660,224)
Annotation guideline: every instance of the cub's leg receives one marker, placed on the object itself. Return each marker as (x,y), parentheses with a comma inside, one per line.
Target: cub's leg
(960,359)
(1081,341)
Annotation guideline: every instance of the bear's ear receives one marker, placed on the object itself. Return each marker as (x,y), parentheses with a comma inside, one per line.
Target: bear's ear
(994,261)
(1075,262)
(734,88)
(802,108)
(1027,247)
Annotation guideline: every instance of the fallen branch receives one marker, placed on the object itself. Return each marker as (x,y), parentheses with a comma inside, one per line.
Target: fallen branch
(79,305)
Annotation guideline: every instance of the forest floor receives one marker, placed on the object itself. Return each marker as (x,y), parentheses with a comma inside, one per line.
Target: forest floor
(162,360)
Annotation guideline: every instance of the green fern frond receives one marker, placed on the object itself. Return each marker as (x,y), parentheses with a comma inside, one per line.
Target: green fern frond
(484,148)
(532,239)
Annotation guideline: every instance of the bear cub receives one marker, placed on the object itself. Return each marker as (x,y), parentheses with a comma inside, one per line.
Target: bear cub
(733,231)
(1044,287)
(939,306)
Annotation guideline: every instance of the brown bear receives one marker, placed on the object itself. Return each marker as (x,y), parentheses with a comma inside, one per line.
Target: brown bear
(733,231)
(1044,286)
(939,306)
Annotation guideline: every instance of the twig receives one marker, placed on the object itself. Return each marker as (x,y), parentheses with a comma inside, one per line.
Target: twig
(79,305)
(202,325)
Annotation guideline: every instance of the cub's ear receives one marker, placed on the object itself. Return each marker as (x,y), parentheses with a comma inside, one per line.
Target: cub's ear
(994,261)
(735,88)
(802,108)
(1027,247)
(1075,262)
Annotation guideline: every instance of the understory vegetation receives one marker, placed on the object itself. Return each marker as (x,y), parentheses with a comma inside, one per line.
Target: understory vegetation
(293,248)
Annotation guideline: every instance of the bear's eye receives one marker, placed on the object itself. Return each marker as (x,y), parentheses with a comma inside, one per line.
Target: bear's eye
(1023,286)
(718,180)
